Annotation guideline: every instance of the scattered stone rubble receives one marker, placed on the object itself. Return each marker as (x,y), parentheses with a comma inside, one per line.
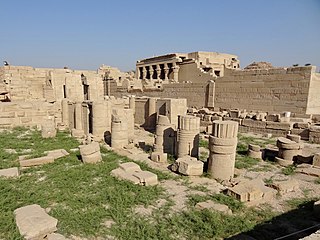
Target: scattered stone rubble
(131,171)
(51,156)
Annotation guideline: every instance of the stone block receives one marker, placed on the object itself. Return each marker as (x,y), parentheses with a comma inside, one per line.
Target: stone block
(316,160)
(129,167)
(308,170)
(189,166)
(283,162)
(92,158)
(48,130)
(214,206)
(34,223)
(121,174)
(89,149)
(303,133)
(253,123)
(279,125)
(55,236)
(58,153)
(255,154)
(146,178)
(9,172)
(285,186)
(159,157)
(36,161)
(301,125)
(293,137)
(273,117)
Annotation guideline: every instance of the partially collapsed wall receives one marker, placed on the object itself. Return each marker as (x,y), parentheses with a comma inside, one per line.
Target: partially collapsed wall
(273,90)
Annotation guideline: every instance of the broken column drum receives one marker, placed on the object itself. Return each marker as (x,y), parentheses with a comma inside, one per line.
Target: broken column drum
(164,138)
(222,146)
(188,136)
(288,149)
(100,120)
(119,134)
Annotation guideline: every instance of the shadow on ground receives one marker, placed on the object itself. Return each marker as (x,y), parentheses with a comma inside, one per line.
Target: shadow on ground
(285,224)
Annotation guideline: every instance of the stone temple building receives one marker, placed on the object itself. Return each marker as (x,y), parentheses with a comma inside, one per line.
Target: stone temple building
(162,85)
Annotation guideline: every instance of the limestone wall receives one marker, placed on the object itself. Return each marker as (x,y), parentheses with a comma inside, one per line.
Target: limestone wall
(313,106)
(271,90)
(195,93)
(28,83)
(189,71)
(28,113)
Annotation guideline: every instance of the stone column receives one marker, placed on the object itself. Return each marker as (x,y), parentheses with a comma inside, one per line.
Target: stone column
(128,114)
(65,112)
(164,140)
(152,113)
(78,116)
(132,103)
(119,134)
(188,136)
(222,147)
(175,73)
(288,149)
(158,69)
(166,71)
(100,122)
(151,70)
(137,73)
(144,71)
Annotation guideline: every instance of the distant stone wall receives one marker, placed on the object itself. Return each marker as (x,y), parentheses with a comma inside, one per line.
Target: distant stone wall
(271,90)
(313,106)
(189,71)
(28,83)
(195,93)
(28,113)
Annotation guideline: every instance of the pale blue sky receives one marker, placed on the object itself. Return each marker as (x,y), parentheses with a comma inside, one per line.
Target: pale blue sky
(85,34)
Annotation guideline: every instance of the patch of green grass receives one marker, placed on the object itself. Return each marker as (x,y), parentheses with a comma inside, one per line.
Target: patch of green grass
(204,143)
(262,168)
(262,142)
(288,170)
(243,161)
(203,156)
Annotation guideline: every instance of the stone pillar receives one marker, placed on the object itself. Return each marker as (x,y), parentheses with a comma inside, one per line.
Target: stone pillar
(78,132)
(164,140)
(65,112)
(151,70)
(188,136)
(128,114)
(158,69)
(137,73)
(100,121)
(152,113)
(144,71)
(132,103)
(166,71)
(119,134)
(175,73)
(222,147)
(78,116)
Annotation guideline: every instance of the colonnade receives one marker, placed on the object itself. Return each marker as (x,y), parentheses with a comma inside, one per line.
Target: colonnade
(164,72)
